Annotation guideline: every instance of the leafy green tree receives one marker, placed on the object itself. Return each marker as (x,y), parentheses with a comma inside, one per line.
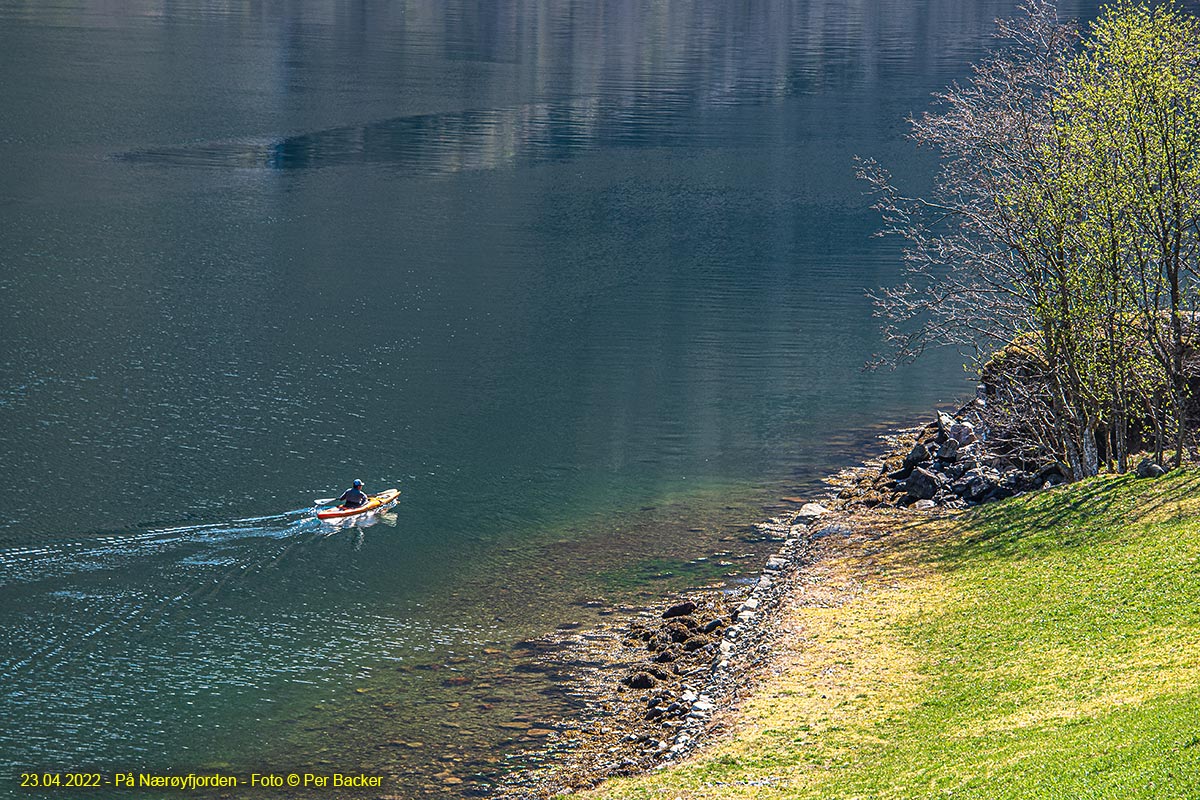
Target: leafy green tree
(1065,215)
(1129,117)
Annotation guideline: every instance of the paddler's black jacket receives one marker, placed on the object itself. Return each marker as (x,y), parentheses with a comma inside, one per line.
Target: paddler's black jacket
(353,498)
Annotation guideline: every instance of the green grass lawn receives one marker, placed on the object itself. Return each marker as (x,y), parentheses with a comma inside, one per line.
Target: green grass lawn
(1044,647)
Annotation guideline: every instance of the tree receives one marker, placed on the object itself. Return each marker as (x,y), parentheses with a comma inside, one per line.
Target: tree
(1063,216)
(1130,118)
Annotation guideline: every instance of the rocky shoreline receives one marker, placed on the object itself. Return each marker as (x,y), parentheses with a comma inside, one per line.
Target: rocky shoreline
(662,682)
(945,463)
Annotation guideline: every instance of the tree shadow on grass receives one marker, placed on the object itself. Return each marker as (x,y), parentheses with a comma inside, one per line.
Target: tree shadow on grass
(1030,526)
(1172,499)
(1087,513)
(1034,525)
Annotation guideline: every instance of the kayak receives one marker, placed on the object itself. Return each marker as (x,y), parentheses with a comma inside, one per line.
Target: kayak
(376,502)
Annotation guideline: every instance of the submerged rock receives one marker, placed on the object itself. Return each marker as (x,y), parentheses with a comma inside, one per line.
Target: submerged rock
(679,609)
(640,680)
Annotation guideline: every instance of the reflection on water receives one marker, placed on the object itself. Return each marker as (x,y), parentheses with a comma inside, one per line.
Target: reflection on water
(655,79)
(446,143)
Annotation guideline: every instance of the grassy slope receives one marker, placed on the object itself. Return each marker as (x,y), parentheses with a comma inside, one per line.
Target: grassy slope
(1048,646)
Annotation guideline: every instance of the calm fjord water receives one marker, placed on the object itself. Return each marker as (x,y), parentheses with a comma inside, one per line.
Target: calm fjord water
(585,280)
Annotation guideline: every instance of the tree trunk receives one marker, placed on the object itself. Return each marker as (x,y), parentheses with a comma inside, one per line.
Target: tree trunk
(1089,454)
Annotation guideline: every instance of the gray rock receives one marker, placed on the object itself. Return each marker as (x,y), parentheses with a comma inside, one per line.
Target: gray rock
(1148,469)
(976,484)
(962,432)
(999,493)
(918,455)
(924,505)
(923,484)
(971,450)
(832,530)
(948,450)
(812,511)
(1015,479)
(944,423)
(955,471)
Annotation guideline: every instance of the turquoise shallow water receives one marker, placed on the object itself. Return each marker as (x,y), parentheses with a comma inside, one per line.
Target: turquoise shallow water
(584,280)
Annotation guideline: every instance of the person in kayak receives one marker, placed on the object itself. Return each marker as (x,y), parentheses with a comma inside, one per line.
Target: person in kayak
(354,496)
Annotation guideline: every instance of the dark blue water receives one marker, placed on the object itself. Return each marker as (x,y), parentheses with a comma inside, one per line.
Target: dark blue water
(584,280)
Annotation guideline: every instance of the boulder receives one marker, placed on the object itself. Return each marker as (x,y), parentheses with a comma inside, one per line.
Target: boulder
(923,484)
(1016,480)
(1148,469)
(977,484)
(999,493)
(918,455)
(972,450)
(966,464)
(1054,474)
(811,511)
(962,432)
(948,450)
(955,471)
(944,423)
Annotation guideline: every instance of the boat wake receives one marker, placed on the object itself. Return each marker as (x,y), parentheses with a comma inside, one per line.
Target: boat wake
(118,644)
(30,563)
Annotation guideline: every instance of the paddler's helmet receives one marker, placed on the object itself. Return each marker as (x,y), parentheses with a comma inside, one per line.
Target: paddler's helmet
(357,483)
